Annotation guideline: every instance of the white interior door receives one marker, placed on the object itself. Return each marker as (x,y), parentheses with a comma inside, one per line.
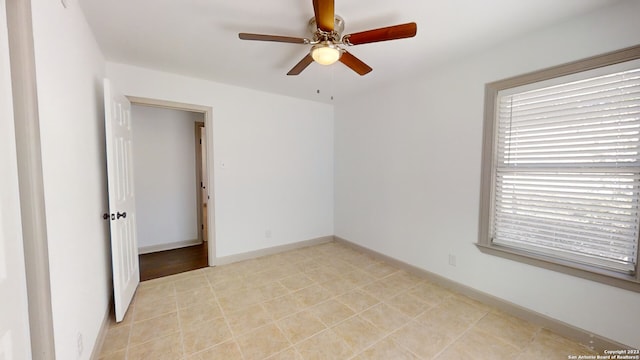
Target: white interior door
(122,211)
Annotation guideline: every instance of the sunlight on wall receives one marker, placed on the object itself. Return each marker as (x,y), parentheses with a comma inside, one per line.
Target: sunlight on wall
(3,256)
(5,346)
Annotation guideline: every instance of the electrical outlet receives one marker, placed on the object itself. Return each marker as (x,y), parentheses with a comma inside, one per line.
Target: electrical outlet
(452,260)
(267,234)
(80,344)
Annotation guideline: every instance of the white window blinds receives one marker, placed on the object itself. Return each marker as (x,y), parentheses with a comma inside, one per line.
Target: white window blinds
(567,172)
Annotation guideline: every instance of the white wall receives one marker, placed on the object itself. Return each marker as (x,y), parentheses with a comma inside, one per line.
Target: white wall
(70,68)
(272,163)
(14,317)
(407,173)
(165,176)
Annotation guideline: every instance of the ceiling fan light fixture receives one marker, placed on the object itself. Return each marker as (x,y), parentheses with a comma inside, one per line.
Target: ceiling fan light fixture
(325,53)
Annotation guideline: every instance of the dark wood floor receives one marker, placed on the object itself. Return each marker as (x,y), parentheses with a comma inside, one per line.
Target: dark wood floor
(169,262)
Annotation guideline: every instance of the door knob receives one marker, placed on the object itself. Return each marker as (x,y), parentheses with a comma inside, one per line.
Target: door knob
(122,215)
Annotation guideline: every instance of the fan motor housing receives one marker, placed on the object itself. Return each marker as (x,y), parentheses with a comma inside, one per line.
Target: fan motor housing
(338,28)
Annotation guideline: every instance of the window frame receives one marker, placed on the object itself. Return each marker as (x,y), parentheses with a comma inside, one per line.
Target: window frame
(487,184)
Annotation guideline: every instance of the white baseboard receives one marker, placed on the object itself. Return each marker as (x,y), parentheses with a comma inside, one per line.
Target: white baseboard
(272,250)
(594,341)
(102,333)
(169,246)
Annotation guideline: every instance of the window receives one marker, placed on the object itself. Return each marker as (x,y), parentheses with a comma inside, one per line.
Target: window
(561,168)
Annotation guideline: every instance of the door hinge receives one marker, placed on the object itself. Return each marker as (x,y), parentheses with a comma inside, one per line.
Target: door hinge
(200,141)
(202,225)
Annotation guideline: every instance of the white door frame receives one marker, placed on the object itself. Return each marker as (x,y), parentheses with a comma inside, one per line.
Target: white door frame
(30,178)
(207,111)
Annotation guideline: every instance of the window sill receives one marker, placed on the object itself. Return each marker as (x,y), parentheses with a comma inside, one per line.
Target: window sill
(627,282)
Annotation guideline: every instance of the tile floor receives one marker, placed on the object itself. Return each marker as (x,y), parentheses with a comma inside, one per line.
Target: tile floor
(322,302)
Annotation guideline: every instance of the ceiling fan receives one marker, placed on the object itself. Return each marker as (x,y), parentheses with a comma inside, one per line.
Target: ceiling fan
(326,29)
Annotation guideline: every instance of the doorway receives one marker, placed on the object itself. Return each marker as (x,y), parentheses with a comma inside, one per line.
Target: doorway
(201,178)
(175,233)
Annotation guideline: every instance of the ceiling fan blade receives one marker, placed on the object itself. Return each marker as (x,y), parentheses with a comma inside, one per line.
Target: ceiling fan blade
(383,34)
(325,14)
(276,38)
(354,63)
(301,65)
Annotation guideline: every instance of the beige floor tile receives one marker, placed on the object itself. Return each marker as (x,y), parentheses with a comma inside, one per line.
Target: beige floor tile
(358,300)
(358,278)
(118,355)
(476,344)
(322,274)
(229,288)
(380,269)
(184,275)
(300,326)
(426,342)
(400,281)
(152,293)
(282,306)
(381,289)
(339,265)
(191,283)
(263,342)
(430,293)
(276,301)
(296,282)
(338,286)
(386,349)
(312,295)
(160,326)
(126,321)
(477,304)
(447,323)
(452,317)
(278,270)
(358,260)
(288,354)
(226,351)
(162,348)
(247,319)
(248,267)
(147,310)
(258,279)
(221,281)
(271,290)
(306,265)
(117,338)
(239,300)
(332,312)
(409,304)
(385,317)
(548,345)
(198,314)
(201,295)
(206,335)
(326,345)
(154,282)
(514,331)
(358,333)
(228,269)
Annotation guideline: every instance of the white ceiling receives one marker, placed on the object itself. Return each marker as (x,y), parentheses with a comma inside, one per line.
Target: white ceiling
(200,37)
